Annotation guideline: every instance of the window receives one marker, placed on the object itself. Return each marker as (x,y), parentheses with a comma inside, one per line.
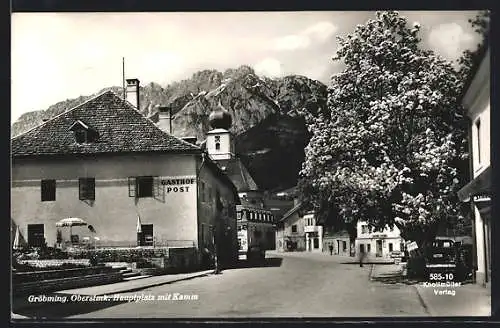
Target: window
(364,229)
(146,235)
(294,228)
(217,142)
(362,248)
(48,190)
(344,246)
(390,247)
(86,188)
(368,248)
(478,137)
(81,136)
(202,191)
(36,235)
(146,186)
(83,133)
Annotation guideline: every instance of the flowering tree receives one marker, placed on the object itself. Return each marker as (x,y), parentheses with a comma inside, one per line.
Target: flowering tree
(390,147)
(471,58)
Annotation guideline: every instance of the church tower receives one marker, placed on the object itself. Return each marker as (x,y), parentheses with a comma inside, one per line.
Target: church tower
(219,142)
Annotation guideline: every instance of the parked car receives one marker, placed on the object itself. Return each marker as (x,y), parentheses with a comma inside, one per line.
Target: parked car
(447,260)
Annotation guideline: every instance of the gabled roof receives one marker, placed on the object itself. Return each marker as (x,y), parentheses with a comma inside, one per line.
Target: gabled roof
(120,126)
(239,174)
(291,212)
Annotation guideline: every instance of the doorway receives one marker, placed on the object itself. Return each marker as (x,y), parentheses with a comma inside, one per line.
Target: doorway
(379,248)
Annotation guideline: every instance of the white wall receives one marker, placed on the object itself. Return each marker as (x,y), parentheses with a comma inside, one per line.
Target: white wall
(225,144)
(395,233)
(113,213)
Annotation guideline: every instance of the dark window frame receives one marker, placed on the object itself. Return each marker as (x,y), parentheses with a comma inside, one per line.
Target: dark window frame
(48,190)
(136,190)
(478,136)
(294,228)
(86,188)
(36,239)
(144,228)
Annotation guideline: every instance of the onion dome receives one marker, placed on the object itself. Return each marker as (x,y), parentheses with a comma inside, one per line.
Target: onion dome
(220,118)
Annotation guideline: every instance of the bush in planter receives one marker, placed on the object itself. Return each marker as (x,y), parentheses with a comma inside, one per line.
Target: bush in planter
(416,266)
(120,255)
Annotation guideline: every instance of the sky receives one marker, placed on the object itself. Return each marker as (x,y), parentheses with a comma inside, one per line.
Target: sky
(59,56)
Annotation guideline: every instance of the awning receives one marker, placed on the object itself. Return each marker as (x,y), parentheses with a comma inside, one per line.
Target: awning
(480,186)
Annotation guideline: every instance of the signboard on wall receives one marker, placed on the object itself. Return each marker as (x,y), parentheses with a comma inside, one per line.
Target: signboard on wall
(412,246)
(178,184)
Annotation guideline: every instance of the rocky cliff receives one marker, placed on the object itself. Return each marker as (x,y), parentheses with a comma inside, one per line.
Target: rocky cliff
(270,135)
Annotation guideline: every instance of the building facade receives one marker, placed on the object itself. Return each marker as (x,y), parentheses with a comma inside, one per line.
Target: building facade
(477,192)
(297,231)
(103,162)
(377,243)
(255,222)
(340,241)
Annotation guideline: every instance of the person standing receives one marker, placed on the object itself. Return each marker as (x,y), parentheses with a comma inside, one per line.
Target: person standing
(331,249)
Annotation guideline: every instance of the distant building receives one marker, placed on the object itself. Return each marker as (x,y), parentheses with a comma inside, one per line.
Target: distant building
(256,222)
(478,191)
(104,162)
(297,231)
(340,241)
(378,242)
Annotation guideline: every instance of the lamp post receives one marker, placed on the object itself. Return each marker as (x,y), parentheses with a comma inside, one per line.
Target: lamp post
(216,257)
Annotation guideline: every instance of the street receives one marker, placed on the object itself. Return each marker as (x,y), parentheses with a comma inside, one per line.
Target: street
(289,285)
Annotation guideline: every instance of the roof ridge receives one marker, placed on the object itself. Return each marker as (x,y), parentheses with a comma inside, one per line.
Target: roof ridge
(291,211)
(64,112)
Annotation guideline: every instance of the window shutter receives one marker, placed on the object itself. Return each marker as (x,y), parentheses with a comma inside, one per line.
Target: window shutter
(158,189)
(131,187)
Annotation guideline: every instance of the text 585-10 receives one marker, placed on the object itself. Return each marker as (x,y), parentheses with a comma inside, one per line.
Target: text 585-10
(441,276)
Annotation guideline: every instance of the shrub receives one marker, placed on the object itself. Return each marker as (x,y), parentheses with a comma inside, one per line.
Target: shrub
(128,255)
(416,267)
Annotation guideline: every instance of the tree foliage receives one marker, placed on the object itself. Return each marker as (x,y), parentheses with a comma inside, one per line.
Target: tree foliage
(471,57)
(390,148)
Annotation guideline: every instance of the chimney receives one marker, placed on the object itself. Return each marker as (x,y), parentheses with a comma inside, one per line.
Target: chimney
(132,93)
(191,140)
(165,119)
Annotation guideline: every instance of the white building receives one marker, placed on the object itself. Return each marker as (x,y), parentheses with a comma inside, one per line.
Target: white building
(297,231)
(377,242)
(478,192)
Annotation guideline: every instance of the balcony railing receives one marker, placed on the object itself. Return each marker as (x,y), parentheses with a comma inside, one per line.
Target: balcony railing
(311,229)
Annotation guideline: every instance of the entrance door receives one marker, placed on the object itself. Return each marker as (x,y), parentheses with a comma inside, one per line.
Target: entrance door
(309,244)
(379,248)
(316,243)
(36,235)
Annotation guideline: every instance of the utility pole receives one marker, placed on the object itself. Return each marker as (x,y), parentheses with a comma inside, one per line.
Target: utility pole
(123,78)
